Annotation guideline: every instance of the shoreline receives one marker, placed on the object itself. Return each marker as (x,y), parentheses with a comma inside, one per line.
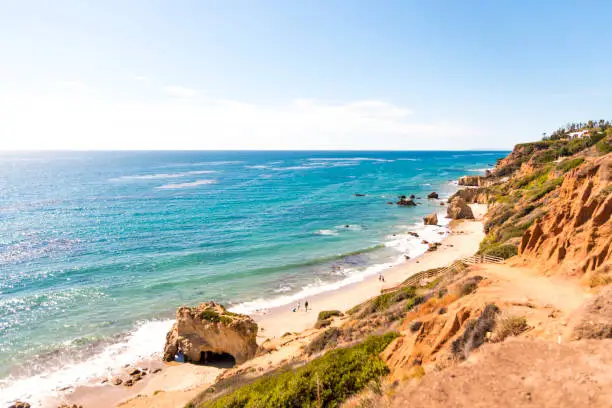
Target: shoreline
(463,240)
(176,384)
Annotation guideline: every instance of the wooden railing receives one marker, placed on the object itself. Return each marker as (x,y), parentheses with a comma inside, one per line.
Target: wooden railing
(456,267)
(478,259)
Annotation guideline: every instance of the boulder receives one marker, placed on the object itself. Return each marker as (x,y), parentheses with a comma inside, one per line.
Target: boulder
(20,404)
(408,202)
(359,195)
(459,209)
(431,219)
(432,195)
(412,197)
(209,328)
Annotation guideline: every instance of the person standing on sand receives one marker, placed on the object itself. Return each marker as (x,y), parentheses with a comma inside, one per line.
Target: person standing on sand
(298,305)
(306,305)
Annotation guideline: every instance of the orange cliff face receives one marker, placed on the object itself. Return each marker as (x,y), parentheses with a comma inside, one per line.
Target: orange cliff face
(575,235)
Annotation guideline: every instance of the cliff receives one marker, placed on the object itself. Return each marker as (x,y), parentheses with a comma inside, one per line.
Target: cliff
(574,236)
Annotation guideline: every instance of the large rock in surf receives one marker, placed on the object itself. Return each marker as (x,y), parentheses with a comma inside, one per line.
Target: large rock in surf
(408,202)
(459,209)
(209,328)
(431,219)
(432,195)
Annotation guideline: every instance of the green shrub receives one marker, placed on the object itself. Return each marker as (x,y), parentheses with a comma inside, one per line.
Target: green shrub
(324,382)
(567,165)
(540,192)
(210,315)
(604,146)
(328,338)
(503,251)
(386,300)
(326,314)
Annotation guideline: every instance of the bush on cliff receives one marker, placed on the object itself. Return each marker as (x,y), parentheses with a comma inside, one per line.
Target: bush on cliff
(323,382)
(326,314)
(503,251)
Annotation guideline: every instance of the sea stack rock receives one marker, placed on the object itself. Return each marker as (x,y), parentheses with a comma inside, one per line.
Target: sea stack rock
(408,202)
(433,195)
(458,209)
(209,328)
(431,219)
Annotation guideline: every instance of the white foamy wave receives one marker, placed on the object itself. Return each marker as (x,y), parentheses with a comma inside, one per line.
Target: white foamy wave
(259,166)
(349,159)
(146,341)
(283,289)
(413,246)
(482,170)
(353,276)
(408,159)
(186,185)
(163,175)
(326,232)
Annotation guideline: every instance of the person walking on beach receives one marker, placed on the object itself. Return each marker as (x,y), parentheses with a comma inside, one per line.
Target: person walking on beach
(298,305)
(306,305)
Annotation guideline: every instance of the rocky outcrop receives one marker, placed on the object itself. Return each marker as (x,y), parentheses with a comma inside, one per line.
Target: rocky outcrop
(432,195)
(209,328)
(576,231)
(431,219)
(408,202)
(458,209)
(472,195)
(20,404)
(474,181)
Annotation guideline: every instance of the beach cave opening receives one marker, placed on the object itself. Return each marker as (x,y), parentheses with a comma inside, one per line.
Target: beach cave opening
(219,360)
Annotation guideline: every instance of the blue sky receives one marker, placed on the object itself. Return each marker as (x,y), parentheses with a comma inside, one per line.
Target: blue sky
(298,74)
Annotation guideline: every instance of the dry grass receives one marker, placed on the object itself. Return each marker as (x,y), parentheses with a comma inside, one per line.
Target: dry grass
(509,325)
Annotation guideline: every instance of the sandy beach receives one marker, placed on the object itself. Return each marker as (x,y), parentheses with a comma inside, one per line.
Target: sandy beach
(176,384)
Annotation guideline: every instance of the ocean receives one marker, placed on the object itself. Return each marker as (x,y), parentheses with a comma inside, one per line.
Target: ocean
(97,249)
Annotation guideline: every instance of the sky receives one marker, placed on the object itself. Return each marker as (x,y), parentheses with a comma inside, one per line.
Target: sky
(275,75)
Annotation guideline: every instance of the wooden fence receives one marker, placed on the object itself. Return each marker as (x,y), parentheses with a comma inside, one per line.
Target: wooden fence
(456,267)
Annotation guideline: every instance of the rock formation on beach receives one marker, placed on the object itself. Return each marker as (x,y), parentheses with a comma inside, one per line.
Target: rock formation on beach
(431,219)
(408,202)
(458,209)
(433,195)
(210,328)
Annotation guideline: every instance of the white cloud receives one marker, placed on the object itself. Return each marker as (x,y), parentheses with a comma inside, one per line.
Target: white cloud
(140,78)
(81,121)
(180,91)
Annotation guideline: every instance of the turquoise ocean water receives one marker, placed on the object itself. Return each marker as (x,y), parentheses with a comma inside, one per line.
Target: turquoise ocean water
(98,249)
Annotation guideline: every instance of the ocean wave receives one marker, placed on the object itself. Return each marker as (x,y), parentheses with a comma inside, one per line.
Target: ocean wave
(259,167)
(349,159)
(327,232)
(186,185)
(144,342)
(481,170)
(163,175)
(408,159)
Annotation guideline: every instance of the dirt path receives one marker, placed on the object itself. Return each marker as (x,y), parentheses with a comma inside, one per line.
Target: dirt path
(526,285)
